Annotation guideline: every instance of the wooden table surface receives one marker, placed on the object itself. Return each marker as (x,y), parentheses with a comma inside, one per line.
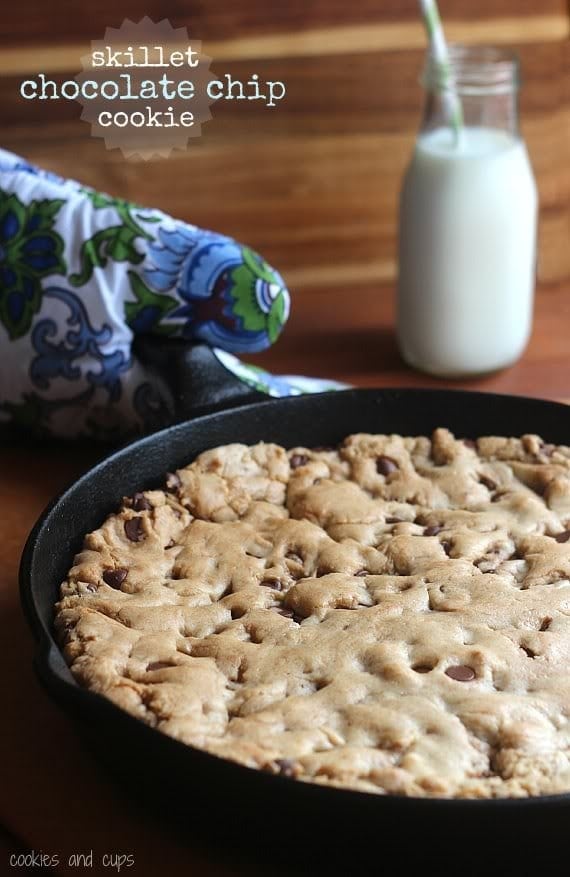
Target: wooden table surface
(53,796)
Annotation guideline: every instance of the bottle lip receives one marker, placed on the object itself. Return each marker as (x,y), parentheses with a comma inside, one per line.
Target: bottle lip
(475,70)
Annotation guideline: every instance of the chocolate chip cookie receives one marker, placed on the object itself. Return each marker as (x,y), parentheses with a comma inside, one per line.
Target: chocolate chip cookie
(392,615)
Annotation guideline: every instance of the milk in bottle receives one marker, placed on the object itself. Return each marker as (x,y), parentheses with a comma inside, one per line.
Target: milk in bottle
(468,217)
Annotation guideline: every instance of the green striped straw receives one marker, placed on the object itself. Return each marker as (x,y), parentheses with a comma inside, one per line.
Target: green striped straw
(440,55)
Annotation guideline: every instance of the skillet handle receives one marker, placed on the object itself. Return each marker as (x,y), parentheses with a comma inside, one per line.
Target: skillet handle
(198,381)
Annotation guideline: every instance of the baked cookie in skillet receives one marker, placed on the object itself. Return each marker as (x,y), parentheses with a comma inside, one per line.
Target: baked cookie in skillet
(392,615)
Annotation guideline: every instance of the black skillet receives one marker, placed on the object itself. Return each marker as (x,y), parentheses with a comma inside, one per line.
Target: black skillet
(205,793)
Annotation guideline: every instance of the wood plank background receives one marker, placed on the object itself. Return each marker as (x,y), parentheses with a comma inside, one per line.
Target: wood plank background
(314,182)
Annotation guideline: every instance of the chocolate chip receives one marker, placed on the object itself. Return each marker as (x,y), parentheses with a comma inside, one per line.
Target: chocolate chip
(394,520)
(115,577)
(460,673)
(298,460)
(91,588)
(422,668)
(486,565)
(141,503)
(269,583)
(528,652)
(323,571)
(563,537)
(158,665)
(487,482)
(446,547)
(173,482)
(362,572)
(432,531)
(546,622)
(500,494)
(385,466)
(288,613)
(134,529)
(65,632)
(286,767)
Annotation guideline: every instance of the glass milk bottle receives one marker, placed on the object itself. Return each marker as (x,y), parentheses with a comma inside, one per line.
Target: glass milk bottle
(468,217)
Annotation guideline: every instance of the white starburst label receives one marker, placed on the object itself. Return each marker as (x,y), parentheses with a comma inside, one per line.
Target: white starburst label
(145,88)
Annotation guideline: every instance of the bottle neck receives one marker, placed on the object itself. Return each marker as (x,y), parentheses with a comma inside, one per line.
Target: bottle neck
(486,81)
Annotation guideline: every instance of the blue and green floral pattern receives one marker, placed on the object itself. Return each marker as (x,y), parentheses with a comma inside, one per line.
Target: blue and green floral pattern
(30,250)
(82,274)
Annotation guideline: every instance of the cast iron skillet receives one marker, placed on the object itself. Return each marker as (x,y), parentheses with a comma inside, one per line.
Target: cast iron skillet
(199,789)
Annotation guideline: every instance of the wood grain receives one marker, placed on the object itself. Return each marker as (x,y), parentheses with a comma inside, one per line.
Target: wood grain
(349,334)
(217,20)
(337,41)
(317,206)
(359,92)
(314,183)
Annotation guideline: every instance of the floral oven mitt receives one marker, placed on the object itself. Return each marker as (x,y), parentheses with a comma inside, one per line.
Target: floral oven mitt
(82,274)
